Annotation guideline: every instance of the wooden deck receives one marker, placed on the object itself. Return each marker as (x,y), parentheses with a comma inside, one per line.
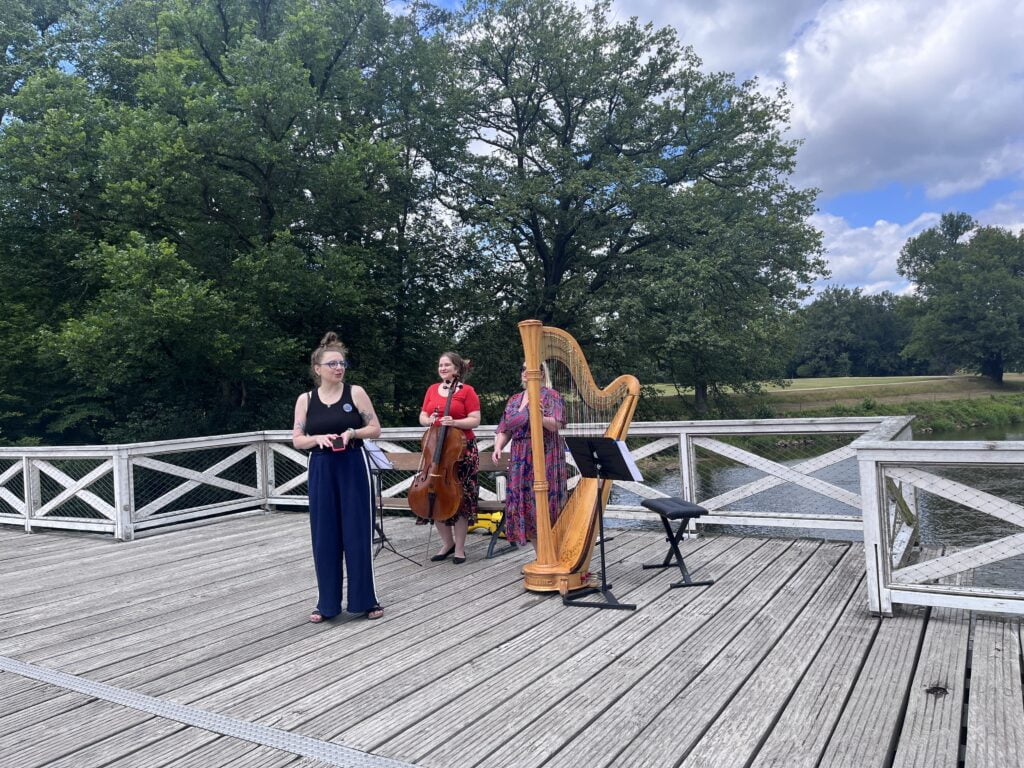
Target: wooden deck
(190,648)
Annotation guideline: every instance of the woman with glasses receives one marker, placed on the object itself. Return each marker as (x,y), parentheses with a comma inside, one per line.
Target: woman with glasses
(514,430)
(331,422)
(464,414)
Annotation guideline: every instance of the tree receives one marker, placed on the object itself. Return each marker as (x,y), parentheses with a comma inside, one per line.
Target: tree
(275,158)
(846,333)
(970,285)
(609,162)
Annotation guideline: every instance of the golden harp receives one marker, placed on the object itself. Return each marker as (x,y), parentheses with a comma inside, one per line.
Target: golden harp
(564,549)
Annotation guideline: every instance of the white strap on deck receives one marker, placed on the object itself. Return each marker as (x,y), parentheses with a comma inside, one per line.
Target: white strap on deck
(325,751)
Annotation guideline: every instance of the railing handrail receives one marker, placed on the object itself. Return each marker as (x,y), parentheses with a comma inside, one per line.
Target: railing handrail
(839,424)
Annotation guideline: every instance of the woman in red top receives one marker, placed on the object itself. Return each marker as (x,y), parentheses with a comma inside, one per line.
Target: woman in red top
(464,414)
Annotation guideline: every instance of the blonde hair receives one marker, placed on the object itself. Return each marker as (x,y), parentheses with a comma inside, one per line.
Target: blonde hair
(546,380)
(329,343)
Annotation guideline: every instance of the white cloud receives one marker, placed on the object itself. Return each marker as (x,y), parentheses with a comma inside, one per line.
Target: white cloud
(729,35)
(867,256)
(921,93)
(1007,213)
(917,91)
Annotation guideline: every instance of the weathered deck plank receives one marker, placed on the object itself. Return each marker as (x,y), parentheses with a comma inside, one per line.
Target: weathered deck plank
(866,732)
(746,721)
(572,692)
(776,664)
(401,702)
(995,714)
(931,731)
(707,694)
(800,735)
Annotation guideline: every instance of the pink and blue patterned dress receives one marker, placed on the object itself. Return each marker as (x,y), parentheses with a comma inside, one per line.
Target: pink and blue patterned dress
(520,509)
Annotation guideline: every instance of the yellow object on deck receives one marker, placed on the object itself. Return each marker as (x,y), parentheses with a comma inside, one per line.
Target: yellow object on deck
(487,521)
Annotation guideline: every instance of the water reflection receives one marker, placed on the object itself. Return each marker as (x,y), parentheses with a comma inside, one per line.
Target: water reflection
(946,525)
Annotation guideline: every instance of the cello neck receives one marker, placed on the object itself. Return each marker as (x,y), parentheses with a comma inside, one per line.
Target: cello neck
(443,432)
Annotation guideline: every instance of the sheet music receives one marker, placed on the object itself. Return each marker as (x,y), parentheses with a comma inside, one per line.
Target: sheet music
(378,459)
(627,457)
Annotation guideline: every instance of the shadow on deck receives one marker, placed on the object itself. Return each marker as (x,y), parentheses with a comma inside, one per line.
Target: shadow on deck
(191,649)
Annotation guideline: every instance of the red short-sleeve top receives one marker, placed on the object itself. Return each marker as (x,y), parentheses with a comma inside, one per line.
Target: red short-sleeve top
(464,402)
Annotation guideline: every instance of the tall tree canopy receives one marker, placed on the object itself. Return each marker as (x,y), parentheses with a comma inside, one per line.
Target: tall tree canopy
(619,191)
(970,284)
(195,200)
(195,190)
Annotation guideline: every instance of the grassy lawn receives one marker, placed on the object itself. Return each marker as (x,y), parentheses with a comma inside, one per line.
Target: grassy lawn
(815,394)
(793,385)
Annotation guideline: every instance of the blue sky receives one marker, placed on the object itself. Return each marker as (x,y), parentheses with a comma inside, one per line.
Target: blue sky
(906,109)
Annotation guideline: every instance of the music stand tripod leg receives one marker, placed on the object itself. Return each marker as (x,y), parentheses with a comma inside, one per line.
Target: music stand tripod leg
(381,538)
(605,590)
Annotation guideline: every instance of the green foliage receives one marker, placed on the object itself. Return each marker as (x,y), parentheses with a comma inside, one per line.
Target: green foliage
(971,308)
(629,197)
(194,191)
(939,415)
(845,333)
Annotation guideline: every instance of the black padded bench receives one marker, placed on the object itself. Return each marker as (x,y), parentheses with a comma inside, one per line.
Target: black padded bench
(669,509)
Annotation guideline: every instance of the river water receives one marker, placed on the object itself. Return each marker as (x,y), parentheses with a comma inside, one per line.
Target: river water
(943,524)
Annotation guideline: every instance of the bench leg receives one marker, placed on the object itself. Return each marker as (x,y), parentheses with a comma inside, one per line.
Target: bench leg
(675,557)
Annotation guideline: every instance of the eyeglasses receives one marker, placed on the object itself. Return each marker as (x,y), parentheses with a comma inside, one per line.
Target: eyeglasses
(335,364)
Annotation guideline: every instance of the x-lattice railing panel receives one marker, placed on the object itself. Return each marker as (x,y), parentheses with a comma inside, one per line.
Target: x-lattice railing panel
(962,559)
(14,471)
(194,479)
(75,489)
(778,474)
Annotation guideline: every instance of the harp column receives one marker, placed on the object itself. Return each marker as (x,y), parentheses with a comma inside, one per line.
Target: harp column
(542,570)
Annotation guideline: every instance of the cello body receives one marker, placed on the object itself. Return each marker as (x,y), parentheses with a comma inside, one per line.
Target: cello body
(436,493)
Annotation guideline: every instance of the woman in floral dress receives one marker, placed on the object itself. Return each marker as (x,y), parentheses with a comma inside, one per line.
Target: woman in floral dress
(514,430)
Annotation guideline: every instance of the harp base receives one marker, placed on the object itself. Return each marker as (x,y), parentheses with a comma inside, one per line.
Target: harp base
(539,578)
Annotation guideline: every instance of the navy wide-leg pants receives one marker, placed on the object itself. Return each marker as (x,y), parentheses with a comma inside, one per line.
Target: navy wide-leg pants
(341,524)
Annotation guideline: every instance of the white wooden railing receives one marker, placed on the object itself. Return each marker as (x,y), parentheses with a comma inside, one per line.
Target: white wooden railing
(845,477)
(122,489)
(894,476)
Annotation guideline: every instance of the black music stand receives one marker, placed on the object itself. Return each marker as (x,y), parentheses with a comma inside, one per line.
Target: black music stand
(606,459)
(379,462)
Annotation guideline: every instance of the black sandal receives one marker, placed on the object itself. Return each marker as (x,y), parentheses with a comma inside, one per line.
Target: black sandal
(318,618)
(375,613)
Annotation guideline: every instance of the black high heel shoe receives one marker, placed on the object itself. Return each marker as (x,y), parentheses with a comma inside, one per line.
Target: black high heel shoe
(443,555)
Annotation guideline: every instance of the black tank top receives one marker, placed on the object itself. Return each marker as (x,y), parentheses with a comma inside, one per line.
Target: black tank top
(334,418)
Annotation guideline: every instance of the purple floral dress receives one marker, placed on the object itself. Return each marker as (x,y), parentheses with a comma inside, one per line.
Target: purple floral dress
(520,509)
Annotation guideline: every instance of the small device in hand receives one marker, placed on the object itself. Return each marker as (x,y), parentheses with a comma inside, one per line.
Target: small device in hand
(338,443)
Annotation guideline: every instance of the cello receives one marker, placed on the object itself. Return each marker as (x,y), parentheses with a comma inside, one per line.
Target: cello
(436,493)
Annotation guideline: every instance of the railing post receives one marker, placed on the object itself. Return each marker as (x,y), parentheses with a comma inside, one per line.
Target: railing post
(33,493)
(686,466)
(124,525)
(265,480)
(876,547)
(687,463)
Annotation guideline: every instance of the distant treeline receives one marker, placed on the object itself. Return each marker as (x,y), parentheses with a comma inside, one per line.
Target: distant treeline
(967,312)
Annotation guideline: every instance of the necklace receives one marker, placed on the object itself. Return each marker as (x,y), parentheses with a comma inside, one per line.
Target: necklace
(328,405)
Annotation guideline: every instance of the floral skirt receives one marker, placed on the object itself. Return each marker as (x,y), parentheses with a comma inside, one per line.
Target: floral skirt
(467,471)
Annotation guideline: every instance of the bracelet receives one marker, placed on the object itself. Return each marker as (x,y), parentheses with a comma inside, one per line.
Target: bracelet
(352,433)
